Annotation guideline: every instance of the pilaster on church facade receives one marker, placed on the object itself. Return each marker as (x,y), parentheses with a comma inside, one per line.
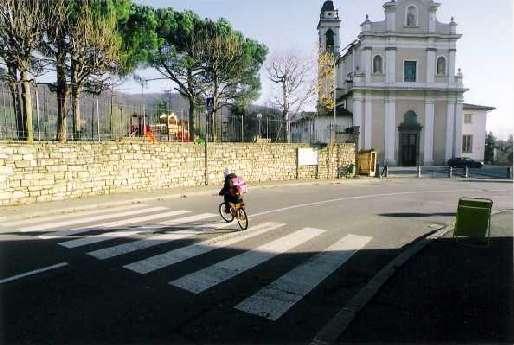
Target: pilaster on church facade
(406,66)
(398,82)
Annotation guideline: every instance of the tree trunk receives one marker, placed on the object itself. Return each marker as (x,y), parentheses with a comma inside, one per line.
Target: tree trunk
(27,100)
(285,111)
(20,125)
(192,107)
(61,100)
(75,104)
(16,102)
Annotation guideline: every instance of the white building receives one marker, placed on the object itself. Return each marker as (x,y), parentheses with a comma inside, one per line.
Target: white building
(474,132)
(398,82)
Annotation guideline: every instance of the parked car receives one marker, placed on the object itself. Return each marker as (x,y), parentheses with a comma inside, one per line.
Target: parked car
(464,162)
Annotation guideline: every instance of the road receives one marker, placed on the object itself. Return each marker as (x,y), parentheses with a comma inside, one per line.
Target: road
(168,271)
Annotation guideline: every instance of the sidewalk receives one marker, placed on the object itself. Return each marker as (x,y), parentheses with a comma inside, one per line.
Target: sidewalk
(70,205)
(447,293)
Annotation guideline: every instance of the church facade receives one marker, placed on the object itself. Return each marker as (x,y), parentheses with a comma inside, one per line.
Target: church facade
(397,81)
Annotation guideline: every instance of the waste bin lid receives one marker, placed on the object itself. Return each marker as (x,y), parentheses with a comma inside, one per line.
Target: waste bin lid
(476,202)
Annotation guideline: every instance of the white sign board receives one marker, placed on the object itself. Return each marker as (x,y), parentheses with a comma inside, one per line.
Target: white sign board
(307,156)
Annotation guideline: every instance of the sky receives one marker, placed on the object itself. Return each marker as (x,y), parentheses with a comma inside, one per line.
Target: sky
(485,52)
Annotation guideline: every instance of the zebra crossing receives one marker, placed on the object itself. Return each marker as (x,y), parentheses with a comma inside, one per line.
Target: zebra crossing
(141,227)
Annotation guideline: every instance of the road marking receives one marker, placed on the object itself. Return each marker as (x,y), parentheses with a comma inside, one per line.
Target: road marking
(149,242)
(171,257)
(31,273)
(75,209)
(111,235)
(91,227)
(277,298)
(188,219)
(79,218)
(170,223)
(368,196)
(339,322)
(206,278)
(98,238)
(214,226)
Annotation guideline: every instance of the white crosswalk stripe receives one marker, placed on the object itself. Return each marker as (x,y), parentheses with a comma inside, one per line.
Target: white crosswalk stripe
(141,244)
(206,278)
(160,261)
(270,302)
(107,225)
(62,212)
(79,218)
(111,235)
(277,298)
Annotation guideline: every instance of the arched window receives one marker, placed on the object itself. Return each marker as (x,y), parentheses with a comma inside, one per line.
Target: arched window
(378,65)
(441,65)
(410,119)
(330,40)
(412,16)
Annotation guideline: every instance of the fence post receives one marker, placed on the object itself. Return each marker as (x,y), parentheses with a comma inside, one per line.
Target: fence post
(450,172)
(37,114)
(5,111)
(93,121)
(97,119)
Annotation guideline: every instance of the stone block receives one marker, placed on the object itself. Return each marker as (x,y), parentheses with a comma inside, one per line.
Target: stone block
(22,163)
(18,195)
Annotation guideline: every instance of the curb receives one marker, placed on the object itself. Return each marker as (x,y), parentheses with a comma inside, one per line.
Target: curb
(163,196)
(339,323)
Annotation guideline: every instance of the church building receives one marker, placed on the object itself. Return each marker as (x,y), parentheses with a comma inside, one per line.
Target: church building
(398,83)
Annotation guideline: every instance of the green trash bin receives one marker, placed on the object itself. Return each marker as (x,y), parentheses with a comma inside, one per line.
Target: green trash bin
(473,218)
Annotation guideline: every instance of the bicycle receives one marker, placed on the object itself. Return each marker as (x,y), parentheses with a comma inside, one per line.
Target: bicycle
(236,211)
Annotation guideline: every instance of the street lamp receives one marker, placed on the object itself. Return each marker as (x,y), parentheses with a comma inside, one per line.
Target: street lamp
(259,116)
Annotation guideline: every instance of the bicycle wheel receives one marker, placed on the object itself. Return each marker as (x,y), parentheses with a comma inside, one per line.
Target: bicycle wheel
(227,217)
(242,219)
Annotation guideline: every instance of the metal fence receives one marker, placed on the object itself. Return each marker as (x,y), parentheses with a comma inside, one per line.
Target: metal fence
(486,172)
(114,116)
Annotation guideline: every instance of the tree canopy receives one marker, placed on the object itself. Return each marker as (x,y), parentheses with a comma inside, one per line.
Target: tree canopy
(90,42)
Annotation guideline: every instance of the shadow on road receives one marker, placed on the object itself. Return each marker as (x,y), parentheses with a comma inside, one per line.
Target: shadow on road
(450,292)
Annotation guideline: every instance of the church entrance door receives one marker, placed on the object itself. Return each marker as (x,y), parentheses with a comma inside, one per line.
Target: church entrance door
(408,148)
(409,135)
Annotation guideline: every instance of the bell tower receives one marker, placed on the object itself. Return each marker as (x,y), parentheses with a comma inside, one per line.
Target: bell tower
(328,28)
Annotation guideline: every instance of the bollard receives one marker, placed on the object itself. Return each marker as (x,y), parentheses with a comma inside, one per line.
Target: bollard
(385,171)
(377,171)
(450,172)
(466,172)
(418,170)
(509,172)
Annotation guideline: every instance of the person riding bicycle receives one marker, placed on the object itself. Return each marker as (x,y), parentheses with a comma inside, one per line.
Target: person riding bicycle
(231,193)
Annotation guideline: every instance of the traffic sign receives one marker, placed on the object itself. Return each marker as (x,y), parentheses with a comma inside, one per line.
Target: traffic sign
(209,103)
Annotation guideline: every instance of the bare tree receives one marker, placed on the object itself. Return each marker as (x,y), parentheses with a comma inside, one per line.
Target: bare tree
(326,82)
(22,24)
(94,49)
(55,48)
(295,90)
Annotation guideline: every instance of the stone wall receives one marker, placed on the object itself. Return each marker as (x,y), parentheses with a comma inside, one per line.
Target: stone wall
(50,171)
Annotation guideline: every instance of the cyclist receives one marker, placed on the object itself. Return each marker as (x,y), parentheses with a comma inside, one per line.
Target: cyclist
(230,192)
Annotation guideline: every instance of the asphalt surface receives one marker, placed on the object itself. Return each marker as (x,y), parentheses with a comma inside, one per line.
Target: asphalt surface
(451,292)
(308,250)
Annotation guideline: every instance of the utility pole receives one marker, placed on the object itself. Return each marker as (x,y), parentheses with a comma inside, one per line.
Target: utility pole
(209,105)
